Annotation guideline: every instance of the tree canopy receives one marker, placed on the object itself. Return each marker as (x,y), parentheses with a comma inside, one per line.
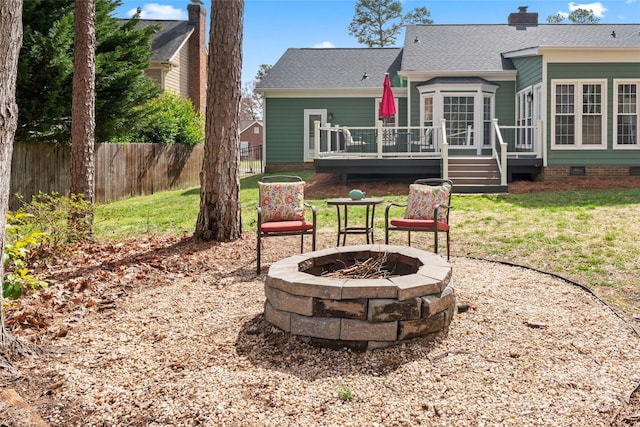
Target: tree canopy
(46,69)
(578,16)
(377,23)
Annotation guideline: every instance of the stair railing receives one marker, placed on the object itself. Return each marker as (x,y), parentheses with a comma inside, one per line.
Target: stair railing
(499,151)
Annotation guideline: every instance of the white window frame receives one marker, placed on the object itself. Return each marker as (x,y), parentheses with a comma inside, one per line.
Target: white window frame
(578,113)
(617,146)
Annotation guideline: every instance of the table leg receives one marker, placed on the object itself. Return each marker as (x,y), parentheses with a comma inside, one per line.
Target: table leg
(366,224)
(373,215)
(339,225)
(344,235)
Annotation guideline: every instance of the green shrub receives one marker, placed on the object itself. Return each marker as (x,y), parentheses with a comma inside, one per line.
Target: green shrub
(64,220)
(18,246)
(169,119)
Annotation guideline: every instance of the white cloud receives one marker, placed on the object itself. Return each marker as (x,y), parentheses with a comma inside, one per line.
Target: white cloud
(324,45)
(158,11)
(630,1)
(597,8)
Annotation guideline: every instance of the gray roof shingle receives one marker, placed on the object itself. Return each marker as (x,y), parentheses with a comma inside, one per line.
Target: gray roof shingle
(440,48)
(332,68)
(480,47)
(169,37)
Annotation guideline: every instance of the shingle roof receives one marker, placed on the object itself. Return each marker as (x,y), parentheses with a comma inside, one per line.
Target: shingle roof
(480,47)
(169,38)
(332,68)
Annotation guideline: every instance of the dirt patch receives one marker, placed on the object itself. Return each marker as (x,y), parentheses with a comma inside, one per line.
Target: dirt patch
(330,185)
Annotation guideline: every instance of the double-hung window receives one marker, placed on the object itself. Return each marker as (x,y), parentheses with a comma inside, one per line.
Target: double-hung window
(579,114)
(626,114)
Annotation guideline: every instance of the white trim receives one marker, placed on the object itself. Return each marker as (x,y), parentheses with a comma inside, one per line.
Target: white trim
(308,152)
(614,120)
(330,93)
(578,114)
(591,54)
(420,76)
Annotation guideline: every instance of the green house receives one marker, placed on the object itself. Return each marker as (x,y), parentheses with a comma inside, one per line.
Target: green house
(480,104)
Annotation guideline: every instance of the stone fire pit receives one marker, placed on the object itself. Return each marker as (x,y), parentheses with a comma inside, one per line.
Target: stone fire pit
(415,300)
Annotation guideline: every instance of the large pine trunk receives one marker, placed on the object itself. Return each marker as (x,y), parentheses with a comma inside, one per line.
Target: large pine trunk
(220,218)
(10,42)
(83,121)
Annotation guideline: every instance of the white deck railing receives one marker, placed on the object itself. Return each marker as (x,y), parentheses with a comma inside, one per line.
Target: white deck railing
(423,142)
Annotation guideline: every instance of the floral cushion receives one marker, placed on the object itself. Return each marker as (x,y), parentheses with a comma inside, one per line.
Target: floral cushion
(423,200)
(281,201)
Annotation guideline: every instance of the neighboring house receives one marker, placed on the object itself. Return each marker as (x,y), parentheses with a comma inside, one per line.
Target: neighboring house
(250,136)
(179,61)
(480,104)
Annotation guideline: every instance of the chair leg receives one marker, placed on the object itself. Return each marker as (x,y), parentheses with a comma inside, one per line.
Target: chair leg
(448,246)
(302,243)
(258,257)
(408,238)
(435,241)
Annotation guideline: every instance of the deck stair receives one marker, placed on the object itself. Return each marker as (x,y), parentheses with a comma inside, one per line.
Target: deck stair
(475,175)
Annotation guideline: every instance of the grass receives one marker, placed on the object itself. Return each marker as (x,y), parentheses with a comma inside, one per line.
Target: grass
(588,236)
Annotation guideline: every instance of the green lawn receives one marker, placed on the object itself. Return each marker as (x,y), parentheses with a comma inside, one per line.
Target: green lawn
(588,236)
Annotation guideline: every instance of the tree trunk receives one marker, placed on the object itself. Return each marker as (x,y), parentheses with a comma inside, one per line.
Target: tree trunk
(10,42)
(220,218)
(83,121)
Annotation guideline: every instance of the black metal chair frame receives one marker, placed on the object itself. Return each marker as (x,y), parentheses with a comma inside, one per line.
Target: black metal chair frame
(261,234)
(426,181)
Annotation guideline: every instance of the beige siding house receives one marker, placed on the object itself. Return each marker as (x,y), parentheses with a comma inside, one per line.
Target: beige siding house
(179,61)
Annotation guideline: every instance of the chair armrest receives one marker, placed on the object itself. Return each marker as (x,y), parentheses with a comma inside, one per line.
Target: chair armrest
(313,213)
(259,209)
(437,207)
(386,211)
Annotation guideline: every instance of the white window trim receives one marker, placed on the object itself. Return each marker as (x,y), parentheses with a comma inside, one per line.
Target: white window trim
(578,114)
(617,146)
(478,91)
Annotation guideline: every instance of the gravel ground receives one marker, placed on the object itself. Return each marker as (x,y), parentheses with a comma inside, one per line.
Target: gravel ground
(183,342)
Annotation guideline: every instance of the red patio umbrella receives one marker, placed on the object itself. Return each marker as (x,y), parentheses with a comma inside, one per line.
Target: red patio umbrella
(387,106)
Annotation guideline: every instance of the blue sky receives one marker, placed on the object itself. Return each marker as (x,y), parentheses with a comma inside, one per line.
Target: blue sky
(272,26)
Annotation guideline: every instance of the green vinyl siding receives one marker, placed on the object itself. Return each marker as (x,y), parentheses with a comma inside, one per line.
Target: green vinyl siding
(284,121)
(505,107)
(585,71)
(529,72)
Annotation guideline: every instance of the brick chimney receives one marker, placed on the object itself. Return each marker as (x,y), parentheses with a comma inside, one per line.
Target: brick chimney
(523,19)
(198,57)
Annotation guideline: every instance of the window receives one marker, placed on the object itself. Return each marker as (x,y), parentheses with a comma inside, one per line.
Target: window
(459,114)
(486,120)
(578,114)
(626,113)
(256,130)
(391,121)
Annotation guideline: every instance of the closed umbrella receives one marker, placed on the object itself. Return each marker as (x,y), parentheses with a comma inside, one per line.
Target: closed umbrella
(388,105)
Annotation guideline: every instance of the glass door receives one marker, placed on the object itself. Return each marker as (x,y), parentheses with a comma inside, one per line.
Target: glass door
(310,117)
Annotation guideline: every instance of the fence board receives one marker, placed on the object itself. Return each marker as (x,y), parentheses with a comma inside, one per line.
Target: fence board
(122,171)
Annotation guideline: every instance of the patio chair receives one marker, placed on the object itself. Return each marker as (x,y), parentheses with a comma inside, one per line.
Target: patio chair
(427,210)
(281,211)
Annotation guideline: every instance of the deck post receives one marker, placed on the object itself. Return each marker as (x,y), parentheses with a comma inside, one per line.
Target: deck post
(445,151)
(316,139)
(379,139)
(539,138)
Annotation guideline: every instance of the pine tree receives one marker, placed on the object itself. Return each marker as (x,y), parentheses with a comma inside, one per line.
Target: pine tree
(45,71)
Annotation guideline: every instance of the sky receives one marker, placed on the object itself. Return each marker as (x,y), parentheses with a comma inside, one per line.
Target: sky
(273,26)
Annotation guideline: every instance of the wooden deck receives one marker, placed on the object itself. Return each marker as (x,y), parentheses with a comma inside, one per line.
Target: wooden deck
(408,169)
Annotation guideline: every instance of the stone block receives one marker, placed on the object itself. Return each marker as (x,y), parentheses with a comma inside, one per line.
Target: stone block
(284,301)
(421,327)
(359,330)
(281,319)
(316,327)
(346,309)
(389,310)
(415,285)
(369,288)
(433,304)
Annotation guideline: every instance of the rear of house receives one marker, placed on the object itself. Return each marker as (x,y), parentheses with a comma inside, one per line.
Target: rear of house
(480,104)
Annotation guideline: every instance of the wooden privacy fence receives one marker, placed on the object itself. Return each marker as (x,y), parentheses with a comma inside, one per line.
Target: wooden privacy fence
(122,170)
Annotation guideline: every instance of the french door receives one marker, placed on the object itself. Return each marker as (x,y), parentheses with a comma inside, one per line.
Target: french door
(310,117)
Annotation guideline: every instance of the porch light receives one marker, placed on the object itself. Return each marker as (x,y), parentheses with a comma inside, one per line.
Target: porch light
(530,97)
(330,117)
